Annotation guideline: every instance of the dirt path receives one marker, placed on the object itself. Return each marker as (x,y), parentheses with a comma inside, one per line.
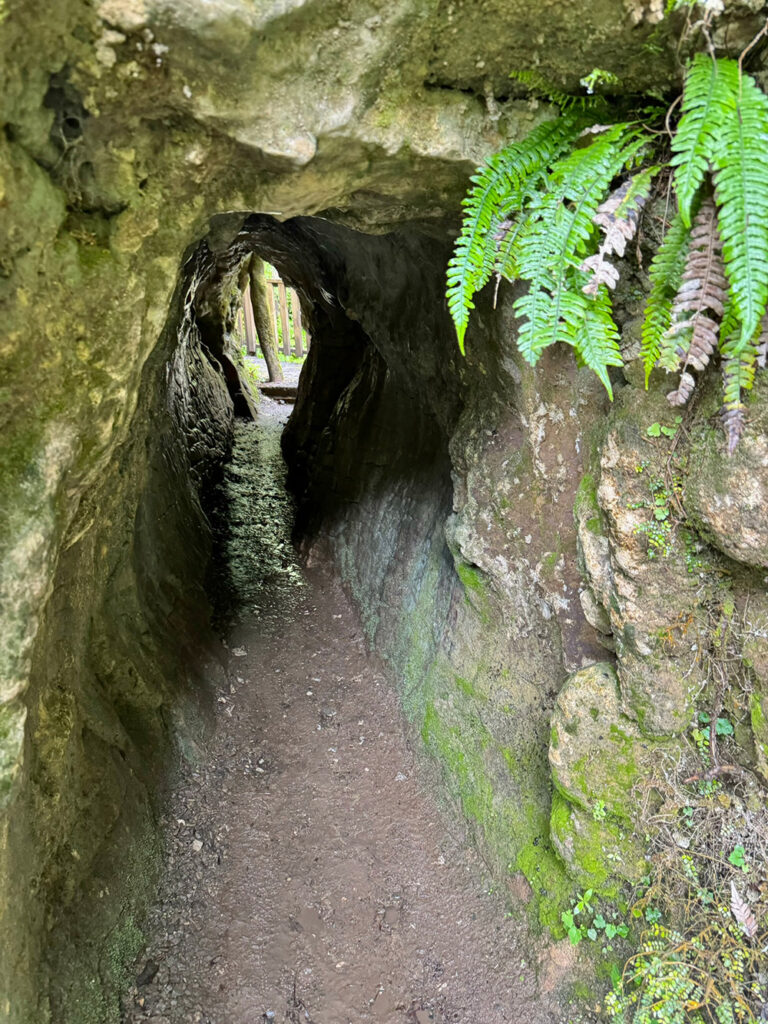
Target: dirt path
(311,878)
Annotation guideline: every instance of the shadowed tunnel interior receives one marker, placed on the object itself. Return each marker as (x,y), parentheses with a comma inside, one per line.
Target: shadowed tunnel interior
(366,449)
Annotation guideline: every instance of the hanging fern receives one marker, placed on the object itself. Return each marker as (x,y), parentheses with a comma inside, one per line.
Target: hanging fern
(698,308)
(499,189)
(545,215)
(617,217)
(564,100)
(543,227)
(707,102)
(739,363)
(722,133)
(741,190)
(559,232)
(665,273)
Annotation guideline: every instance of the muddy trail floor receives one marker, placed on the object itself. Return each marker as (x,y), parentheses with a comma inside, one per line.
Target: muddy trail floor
(311,876)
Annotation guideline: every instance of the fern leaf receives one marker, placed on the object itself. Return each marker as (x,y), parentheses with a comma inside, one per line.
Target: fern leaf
(739,362)
(591,328)
(666,271)
(468,268)
(560,232)
(710,87)
(498,189)
(566,101)
(742,911)
(741,191)
(683,391)
(505,264)
(700,299)
(618,218)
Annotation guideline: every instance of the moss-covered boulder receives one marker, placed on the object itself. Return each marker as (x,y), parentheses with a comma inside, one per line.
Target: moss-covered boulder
(597,756)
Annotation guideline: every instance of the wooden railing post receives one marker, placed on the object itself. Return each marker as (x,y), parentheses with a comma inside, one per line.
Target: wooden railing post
(284,319)
(296,310)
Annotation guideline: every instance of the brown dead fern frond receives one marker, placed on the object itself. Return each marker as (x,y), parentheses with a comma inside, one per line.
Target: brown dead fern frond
(699,305)
(743,913)
(618,218)
(762,343)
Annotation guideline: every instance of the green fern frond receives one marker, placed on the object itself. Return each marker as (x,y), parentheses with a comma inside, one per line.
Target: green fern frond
(665,272)
(708,96)
(498,189)
(729,324)
(535,209)
(472,262)
(674,348)
(560,231)
(506,254)
(741,191)
(591,328)
(566,101)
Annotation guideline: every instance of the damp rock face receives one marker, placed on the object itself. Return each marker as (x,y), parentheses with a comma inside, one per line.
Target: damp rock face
(726,495)
(444,489)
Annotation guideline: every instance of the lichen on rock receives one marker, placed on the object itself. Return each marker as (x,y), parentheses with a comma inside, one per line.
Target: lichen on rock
(597,755)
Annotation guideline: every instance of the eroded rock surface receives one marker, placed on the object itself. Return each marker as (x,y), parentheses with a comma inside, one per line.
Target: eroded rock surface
(726,495)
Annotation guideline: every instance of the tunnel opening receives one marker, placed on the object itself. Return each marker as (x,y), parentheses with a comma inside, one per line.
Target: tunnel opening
(369,477)
(362,421)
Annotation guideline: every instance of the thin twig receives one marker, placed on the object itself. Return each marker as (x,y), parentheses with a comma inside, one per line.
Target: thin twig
(763,31)
(711,773)
(672,106)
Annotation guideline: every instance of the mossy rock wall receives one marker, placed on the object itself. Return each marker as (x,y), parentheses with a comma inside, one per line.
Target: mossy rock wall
(113,682)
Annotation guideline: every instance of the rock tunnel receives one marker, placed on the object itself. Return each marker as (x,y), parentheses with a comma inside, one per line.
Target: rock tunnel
(480,515)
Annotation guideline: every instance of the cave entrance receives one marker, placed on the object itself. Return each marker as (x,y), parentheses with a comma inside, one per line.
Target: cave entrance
(270,330)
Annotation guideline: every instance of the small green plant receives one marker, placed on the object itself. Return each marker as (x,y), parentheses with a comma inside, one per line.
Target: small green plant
(598,76)
(583,921)
(708,975)
(599,812)
(657,429)
(658,529)
(738,859)
(701,955)
(701,733)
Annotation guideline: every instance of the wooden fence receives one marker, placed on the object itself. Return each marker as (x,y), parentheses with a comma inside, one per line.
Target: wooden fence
(285,310)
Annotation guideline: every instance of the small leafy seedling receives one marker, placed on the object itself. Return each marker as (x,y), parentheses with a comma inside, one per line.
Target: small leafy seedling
(738,858)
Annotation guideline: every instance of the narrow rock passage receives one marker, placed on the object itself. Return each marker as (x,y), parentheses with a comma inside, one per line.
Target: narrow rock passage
(311,877)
